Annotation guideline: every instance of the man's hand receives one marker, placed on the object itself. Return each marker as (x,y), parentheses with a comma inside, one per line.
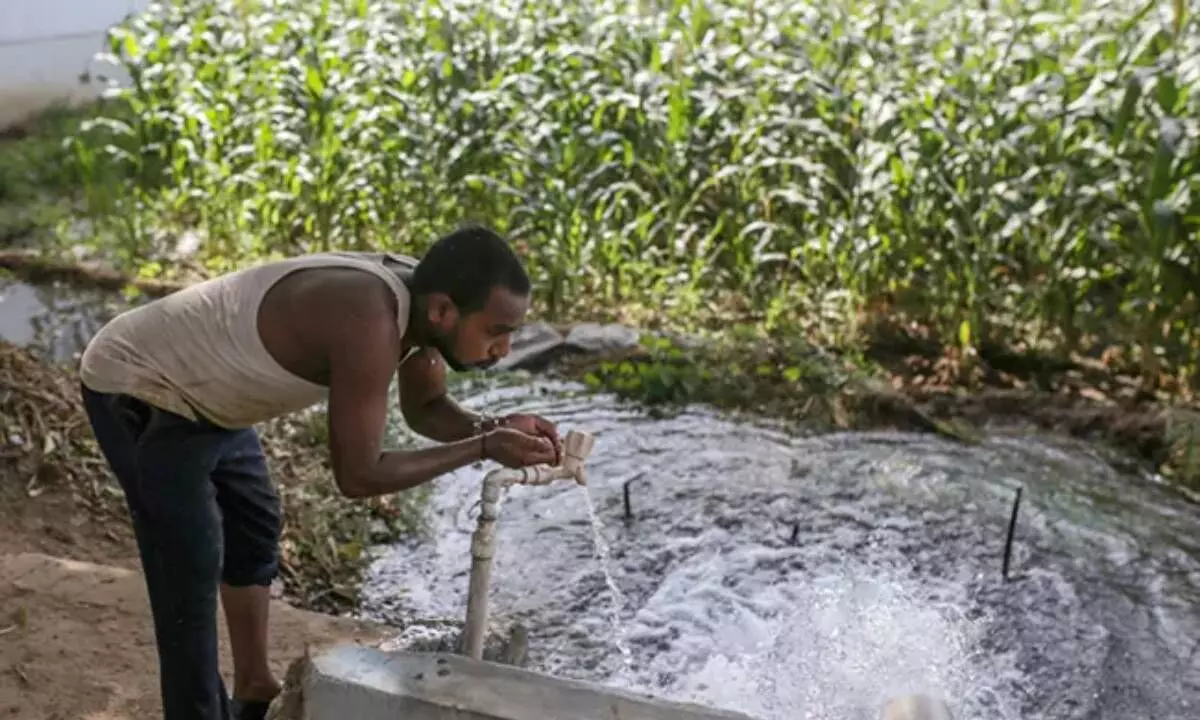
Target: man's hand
(517,449)
(537,426)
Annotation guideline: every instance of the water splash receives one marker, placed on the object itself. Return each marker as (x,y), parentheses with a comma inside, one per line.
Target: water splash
(615,595)
(849,643)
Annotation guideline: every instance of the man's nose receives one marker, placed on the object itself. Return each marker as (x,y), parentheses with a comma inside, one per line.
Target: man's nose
(501,347)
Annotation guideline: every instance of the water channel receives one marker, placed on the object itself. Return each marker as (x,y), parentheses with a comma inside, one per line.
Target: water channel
(794,576)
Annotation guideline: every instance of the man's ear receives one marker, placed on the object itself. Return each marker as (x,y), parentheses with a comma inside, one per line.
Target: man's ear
(441,309)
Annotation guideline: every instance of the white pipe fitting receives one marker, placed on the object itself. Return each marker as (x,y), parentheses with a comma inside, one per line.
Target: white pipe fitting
(576,448)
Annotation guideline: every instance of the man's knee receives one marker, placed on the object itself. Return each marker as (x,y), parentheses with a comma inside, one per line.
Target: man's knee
(252,544)
(247,567)
(253,521)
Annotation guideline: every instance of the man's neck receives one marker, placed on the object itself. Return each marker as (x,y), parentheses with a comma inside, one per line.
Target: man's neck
(416,336)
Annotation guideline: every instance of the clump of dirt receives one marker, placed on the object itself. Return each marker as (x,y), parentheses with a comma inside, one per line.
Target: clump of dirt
(62,499)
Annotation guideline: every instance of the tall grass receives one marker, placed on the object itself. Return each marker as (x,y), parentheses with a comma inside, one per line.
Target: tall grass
(1023,172)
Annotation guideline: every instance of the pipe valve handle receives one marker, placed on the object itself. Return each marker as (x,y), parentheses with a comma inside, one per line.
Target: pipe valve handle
(576,448)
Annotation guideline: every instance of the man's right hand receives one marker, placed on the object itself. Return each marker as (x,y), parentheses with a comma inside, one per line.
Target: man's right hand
(515,449)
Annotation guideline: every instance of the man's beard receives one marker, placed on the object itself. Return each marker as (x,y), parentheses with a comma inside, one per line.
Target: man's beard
(441,343)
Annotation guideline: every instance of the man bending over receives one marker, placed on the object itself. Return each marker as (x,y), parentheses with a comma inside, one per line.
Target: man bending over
(173,388)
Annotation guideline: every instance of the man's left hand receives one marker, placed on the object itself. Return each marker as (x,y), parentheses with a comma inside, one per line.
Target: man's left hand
(535,425)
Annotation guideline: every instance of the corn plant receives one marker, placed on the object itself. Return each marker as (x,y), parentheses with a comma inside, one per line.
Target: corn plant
(1016,172)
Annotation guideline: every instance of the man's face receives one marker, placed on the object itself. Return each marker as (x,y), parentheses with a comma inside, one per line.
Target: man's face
(480,339)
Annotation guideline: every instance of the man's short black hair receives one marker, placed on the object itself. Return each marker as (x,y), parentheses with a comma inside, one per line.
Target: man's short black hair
(466,265)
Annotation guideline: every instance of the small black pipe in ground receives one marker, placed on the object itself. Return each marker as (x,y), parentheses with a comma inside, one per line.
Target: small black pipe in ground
(625,493)
(1012,528)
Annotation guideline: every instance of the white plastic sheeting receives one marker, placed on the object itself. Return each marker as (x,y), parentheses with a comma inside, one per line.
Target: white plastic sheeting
(48,46)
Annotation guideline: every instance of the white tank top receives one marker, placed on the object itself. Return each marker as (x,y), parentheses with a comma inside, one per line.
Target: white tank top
(198,351)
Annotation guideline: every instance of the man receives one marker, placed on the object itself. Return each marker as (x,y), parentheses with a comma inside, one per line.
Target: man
(173,388)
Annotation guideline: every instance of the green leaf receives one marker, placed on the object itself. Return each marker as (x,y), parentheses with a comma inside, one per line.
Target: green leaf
(313,82)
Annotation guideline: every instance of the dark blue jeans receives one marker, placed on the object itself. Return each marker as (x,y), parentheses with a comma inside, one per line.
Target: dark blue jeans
(204,512)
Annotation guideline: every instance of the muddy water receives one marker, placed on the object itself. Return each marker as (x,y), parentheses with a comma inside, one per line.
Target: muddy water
(56,321)
(814,577)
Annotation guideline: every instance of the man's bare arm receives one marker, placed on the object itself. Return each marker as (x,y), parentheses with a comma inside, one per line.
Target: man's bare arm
(427,408)
(362,360)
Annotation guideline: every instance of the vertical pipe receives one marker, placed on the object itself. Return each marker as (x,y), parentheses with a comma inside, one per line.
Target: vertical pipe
(1012,528)
(477,608)
(483,549)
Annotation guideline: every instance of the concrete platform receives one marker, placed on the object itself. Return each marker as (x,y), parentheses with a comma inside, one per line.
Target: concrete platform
(369,684)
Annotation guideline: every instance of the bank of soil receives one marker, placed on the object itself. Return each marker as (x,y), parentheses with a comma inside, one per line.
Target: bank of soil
(920,387)
(76,641)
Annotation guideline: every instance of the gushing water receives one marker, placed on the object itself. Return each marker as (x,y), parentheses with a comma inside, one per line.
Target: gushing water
(816,577)
(616,597)
(848,644)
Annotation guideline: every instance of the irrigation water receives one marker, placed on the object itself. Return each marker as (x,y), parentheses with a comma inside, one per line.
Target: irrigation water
(55,320)
(815,577)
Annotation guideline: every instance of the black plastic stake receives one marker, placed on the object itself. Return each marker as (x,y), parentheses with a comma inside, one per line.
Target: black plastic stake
(795,533)
(625,492)
(1012,528)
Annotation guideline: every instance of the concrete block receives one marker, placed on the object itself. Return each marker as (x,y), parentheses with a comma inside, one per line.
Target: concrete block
(369,684)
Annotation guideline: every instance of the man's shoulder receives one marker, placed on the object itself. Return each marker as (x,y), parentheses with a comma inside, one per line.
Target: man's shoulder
(349,286)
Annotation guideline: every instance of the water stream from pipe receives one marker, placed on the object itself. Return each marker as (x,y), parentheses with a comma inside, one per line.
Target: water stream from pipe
(616,597)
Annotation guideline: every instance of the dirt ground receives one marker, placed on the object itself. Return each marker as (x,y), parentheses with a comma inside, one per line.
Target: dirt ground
(76,642)
(53,524)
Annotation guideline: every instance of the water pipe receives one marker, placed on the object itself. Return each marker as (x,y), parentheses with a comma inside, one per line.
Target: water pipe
(576,447)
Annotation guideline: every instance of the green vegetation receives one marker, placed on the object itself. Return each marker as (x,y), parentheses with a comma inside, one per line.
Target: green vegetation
(734,372)
(37,170)
(1026,175)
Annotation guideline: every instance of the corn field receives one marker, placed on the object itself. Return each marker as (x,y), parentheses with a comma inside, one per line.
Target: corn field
(1019,172)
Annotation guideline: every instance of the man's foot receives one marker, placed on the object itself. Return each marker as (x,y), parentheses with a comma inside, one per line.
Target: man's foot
(249,709)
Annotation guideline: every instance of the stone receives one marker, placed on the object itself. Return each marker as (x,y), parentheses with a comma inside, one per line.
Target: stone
(533,345)
(603,339)
(369,684)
